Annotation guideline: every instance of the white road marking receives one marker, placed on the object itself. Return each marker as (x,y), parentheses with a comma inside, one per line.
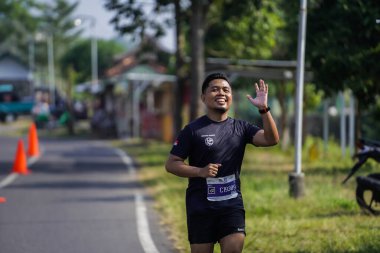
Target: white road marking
(143,225)
(8,180)
(143,230)
(12,177)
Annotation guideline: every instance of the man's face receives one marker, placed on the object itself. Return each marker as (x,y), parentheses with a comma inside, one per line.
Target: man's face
(218,95)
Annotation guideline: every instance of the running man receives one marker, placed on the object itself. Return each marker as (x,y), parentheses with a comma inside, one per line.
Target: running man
(214,145)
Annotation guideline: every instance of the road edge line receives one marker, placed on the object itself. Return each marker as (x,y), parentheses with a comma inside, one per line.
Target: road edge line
(13,176)
(143,230)
(8,180)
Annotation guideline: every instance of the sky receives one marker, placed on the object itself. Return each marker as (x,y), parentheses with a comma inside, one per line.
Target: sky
(104,29)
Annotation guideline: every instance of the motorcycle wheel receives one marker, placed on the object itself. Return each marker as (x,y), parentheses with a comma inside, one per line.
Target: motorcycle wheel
(366,199)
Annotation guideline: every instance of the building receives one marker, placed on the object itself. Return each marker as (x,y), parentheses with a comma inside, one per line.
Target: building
(137,99)
(14,72)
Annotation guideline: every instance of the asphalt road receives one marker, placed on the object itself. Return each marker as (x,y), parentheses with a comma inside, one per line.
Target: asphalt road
(80,197)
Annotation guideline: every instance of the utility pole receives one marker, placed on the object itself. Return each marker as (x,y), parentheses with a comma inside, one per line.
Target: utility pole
(52,87)
(94,47)
(296,179)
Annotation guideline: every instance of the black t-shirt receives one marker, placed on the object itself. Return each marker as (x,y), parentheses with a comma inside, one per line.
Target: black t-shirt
(204,141)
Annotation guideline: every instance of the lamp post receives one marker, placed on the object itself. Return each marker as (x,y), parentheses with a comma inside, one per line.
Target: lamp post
(51,68)
(296,179)
(94,46)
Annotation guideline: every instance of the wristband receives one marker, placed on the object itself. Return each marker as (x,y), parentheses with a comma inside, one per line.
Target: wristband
(262,111)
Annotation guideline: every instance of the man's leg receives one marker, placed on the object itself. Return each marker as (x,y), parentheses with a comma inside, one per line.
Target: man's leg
(232,243)
(202,248)
(201,233)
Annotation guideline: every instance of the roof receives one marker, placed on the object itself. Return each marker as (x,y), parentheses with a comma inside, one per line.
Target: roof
(146,54)
(11,68)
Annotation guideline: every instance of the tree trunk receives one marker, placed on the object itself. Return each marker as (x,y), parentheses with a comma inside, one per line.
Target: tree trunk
(179,86)
(284,128)
(69,109)
(358,132)
(198,10)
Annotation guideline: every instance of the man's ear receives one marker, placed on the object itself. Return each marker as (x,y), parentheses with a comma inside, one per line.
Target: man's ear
(203,97)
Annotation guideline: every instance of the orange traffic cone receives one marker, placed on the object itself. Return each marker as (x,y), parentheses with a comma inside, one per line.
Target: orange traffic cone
(20,165)
(33,147)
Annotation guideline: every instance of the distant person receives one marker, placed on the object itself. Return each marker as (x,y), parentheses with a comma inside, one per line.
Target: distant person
(214,145)
(41,109)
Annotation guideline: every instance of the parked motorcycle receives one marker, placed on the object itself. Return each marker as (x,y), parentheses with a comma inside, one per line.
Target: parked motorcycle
(368,187)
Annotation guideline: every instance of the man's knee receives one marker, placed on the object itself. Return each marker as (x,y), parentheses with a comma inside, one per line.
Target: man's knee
(202,248)
(232,243)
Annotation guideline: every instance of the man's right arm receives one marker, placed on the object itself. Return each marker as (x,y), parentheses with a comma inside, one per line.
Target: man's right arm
(177,166)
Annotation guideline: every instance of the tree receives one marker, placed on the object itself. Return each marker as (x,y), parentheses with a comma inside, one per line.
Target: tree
(207,17)
(344,47)
(199,11)
(229,29)
(78,57)
(17,25)
(244,30)
(57,19)
(24,20)
(180,71)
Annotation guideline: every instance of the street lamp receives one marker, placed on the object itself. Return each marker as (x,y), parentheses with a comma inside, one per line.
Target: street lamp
(94,46)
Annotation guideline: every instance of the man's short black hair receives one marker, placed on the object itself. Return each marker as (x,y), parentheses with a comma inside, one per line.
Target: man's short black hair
(213,76)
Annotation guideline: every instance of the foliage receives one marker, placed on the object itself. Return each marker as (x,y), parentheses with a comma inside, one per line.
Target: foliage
(343,45)
(134,18)
(312,97)
(242,30)
(56,19)
(79,57)
(371,122)
(16,23)
(29,22)
(228,28)
(286,48)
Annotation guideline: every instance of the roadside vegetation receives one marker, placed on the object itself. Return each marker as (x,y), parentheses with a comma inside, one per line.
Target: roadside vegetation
(327,219)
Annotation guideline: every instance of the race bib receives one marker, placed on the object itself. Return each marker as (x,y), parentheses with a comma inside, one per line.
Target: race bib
(221,188)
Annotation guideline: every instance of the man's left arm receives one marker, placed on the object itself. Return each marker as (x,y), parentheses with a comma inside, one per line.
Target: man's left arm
(268,136)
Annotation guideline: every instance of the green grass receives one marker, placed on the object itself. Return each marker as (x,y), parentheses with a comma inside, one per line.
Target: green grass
(21,126)
(17,128)
(327,219)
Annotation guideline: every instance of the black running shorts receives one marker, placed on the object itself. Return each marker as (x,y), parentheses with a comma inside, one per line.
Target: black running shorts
(215,225)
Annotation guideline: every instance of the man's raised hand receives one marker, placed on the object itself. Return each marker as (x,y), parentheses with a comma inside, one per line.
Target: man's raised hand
(261,99)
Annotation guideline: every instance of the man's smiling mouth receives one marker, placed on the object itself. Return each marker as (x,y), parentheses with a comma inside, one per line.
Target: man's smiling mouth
(221,100)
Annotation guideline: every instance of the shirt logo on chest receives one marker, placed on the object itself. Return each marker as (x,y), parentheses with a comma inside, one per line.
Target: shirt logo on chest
(209,141)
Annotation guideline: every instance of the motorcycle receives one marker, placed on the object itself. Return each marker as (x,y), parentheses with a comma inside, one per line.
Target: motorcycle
(368,187)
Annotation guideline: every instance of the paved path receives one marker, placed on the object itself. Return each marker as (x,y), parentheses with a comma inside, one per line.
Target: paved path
(81,197)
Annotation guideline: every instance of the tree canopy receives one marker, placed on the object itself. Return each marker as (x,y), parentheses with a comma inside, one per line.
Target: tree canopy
(243,30)
(78,57)
(16,23)
(343,47)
